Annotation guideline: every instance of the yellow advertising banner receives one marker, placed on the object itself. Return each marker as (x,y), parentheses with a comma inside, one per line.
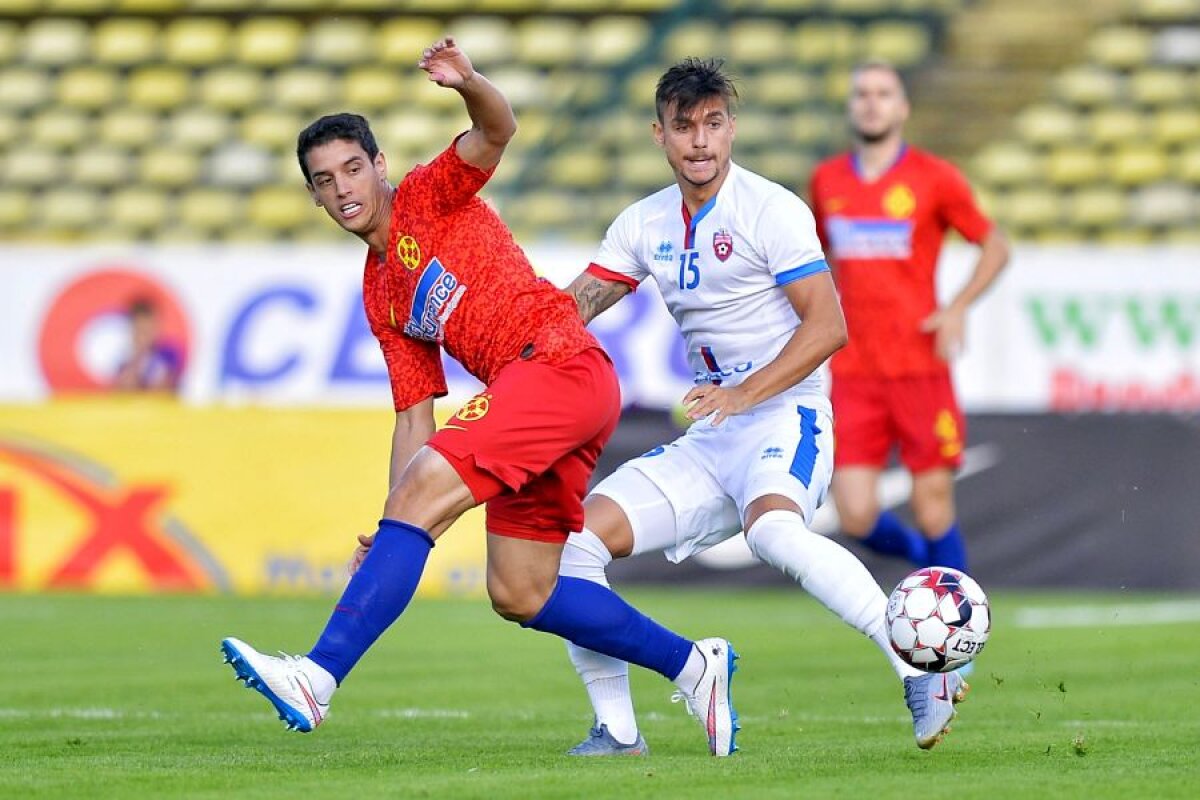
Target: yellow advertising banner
(136,494)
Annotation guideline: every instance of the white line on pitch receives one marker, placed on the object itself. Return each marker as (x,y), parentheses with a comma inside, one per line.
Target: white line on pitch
(1088,616)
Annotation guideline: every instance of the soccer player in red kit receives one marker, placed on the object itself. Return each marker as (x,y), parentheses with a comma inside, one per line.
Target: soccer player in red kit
(882,211)
(443,271)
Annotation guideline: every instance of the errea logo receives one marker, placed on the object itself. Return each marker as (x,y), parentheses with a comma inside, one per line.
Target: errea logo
(772,452)
(665,251)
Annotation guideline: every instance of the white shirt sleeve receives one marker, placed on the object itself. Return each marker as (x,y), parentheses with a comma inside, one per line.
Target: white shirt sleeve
(620,251)
(787,233)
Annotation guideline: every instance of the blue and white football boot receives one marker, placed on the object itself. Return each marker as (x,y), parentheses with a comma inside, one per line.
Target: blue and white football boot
(711,702)
(292,683)
(602,743)
(931,699)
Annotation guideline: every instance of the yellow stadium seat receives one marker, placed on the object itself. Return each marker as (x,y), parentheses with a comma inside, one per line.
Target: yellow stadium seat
(99,166)
(837,86)
(1163,204)
(269,41)
(783,87)
(811,126)
(10,42)
(1116,126)
(125,41)
(169,166)
(758,126)
(232,88)
(1187,164)
(1033,208)
(1168,10)
(1089,86)
(15,210)
(415,130)
(272,128)
(521,85)
(401,40)
(59,127)
(10,127)
(548,41)
(1120,47)
(149,6)
(238,163)
(643,169)
(129,127)
(860,7)
(339,40)
(578,168)
(1008,164)
(55,41)
(1159,87)
(438,6)
(209,209)
(196,41)
(489,40)
(699,38)
(70,210)
(23,88)
(372,87)
(789,167)
(757,42)
(1048,124)
(363,5)
(279,208)
(305,88)
(87,87)
(821,43)
(1178,45)
(138,209)
(643,6)
(901,43)
(576,6)
(64,7)
(639,89)
(22,6)
(160,87)
(1138,165)
(1073,165)
(1177,126)
(37,165)
(1096,207)
(197,127)
(210,6)
(613,40)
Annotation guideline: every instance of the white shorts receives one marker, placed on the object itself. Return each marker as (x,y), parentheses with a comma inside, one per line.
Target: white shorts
(710,475)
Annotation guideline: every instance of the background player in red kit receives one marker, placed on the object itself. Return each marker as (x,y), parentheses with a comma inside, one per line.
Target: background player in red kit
(442,270)
(882,211)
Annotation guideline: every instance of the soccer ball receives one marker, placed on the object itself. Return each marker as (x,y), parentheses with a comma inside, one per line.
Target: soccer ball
(938,619)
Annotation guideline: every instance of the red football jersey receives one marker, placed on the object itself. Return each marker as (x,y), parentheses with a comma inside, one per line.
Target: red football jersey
(454,277)
(884,238)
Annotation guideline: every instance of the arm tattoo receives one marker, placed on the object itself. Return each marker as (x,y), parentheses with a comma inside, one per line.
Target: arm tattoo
(594,296)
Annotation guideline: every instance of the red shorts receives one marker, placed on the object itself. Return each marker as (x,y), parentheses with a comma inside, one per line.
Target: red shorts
(918,413)
(527,445)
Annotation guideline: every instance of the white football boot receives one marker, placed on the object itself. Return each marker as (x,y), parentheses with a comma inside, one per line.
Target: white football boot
(710,702)
(287,681)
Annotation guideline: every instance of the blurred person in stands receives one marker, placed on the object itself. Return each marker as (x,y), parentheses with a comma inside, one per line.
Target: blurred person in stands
(443,272)
(882,211)
(154,363)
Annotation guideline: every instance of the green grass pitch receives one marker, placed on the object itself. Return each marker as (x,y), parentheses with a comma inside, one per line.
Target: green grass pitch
(127,697)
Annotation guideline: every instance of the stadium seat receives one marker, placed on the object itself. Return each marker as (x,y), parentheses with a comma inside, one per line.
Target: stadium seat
(269,41)
(339,40)
(11,42)
(125,41)
(1109,126)
(236,163)
(63,7)
(694,38)
(99,166)
(1073,165)
(1137,165)
(231,88)
(783,88)
(148,6)
(210,209)
(1120,47)
(306,88)
(138,209)
(1008,164)
(642,6)
(548,41)
(23,88)
(1164,205)
(36,165)
(756,42)
(371,88)
(11,127)
(825,43)
(576,6)
(15,209)
(197,127)
(1089,86)
(901,43)
(87,87)
(837,86)
(521,85)
(1096,207)
(639,89)
(401,40)
(59,127)
(279,208)
(64,210)
(489,40)
(1178,45)
(813,127)
(159,87)
(1158,87)
(1168,10)
(1177,126)
(1047,124)
(272,128)
(578,168)
(612,40)
(128,127)
(1033,209)
(196,41)
(171,167)
(55,41)
(411,130)
(758,126)
(788,167)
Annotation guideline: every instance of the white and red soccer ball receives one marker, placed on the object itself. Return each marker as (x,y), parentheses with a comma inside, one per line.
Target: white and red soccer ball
(938,619)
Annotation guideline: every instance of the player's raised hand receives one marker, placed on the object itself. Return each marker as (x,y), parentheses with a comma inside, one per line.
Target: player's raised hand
(948,326)
(719,401)
(360,553)
(446,64)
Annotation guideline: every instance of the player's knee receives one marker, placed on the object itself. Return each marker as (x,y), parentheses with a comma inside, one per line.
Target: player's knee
(429,493)
(517,601)
(857,518)
(933,519)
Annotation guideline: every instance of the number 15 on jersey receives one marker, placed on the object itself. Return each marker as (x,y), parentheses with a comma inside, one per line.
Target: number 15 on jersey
(689,270)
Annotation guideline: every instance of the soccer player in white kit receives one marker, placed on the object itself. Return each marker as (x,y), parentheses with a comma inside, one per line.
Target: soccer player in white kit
(737,260)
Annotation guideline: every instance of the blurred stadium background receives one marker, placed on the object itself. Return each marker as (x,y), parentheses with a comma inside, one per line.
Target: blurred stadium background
(147,149)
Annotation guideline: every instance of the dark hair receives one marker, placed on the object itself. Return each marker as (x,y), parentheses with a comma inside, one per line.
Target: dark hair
(885,66)
(691,82)
(351,127)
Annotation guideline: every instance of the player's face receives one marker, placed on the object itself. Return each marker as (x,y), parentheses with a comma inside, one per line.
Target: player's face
(878,105)
(349,185)
(697,144)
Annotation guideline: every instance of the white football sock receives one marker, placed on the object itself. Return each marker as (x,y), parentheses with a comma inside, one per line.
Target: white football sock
(827,571)
(323,683)
(689,677)
(606,678)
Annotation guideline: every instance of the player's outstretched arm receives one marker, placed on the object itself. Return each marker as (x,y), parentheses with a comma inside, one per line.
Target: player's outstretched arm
(595,295)
(492,122)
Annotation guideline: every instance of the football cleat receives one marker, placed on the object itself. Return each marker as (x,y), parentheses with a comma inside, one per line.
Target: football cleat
(711,702)
(931,700)
(602,743)
(284,680)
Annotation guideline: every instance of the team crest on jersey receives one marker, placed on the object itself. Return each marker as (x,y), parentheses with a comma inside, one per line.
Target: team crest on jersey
(723,244)
(899,202)
(408,251)
(475,408)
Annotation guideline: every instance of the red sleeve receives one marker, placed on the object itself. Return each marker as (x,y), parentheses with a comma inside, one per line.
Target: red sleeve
(447,182)
(608,275)
(414,368)
(957,206)
(815,205)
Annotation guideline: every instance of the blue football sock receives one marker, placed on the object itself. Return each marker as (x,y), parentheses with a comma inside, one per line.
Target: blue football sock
(949,551)
(593,616)
(892,537)
(375,597)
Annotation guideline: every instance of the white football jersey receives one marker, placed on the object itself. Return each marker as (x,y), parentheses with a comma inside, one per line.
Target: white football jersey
(720,271)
